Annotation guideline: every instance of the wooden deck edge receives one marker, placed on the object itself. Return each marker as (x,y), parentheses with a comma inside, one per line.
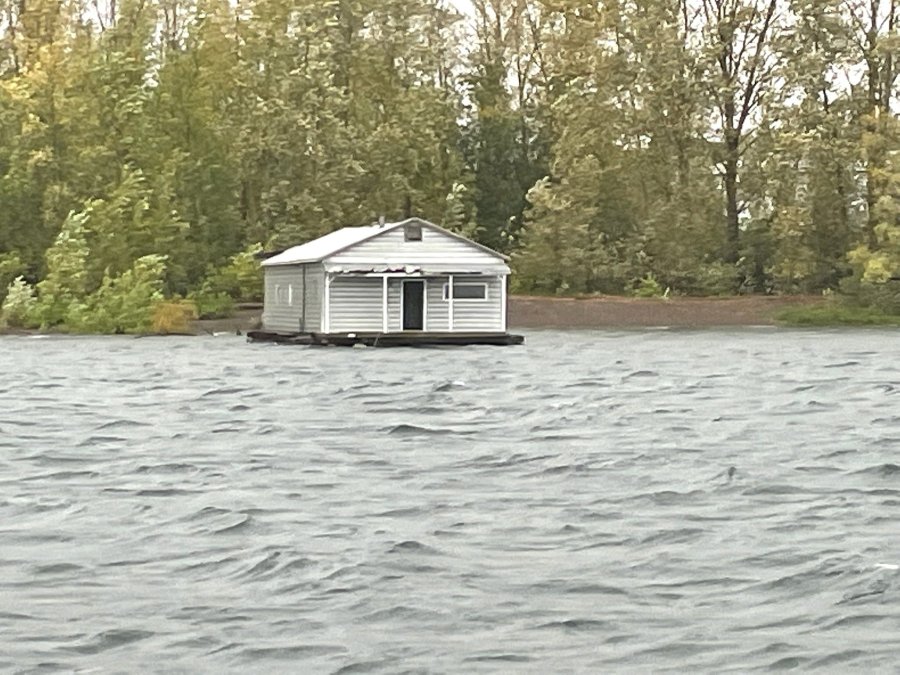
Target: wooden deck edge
(387,339)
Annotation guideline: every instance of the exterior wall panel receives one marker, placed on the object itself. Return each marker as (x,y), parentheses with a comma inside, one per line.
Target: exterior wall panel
(315,295)
(477,315)
(283,304)
(435,247)
(356,304)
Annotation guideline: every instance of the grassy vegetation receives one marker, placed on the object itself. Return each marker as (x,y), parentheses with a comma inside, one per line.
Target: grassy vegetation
(836,314)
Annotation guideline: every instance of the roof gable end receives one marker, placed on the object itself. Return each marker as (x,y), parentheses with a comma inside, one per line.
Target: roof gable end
(344,240)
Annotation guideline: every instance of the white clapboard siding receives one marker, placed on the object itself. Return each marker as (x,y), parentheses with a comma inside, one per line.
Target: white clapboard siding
(436,247)
(478,315)
(315,293)
(436,307)
(288,289)
(356,304)
(283,299)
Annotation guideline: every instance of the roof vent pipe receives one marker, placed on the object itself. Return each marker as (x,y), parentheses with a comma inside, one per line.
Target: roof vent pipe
(380,221)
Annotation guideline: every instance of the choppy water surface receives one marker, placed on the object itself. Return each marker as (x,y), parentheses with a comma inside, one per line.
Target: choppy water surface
(203,504)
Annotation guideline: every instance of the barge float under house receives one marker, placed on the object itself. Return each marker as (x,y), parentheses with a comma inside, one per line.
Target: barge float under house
(405,283)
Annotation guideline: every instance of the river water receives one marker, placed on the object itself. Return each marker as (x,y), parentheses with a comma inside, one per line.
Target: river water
(591,501)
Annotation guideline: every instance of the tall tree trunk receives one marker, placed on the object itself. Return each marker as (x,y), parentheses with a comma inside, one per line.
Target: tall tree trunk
(730,178)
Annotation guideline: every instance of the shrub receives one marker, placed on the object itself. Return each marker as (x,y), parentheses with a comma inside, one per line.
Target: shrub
(10,269)
(19,304)
(240,278)
(172,316)
(648,287)
(837,314)
(212,305)
(123,304)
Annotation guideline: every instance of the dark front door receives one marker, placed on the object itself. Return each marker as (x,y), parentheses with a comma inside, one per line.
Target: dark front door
(413,305)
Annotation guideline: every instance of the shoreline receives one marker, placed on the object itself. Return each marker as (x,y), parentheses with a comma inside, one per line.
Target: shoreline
(614,311)
(608,311)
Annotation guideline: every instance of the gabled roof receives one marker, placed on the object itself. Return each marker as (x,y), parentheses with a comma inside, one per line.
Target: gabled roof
(331,244)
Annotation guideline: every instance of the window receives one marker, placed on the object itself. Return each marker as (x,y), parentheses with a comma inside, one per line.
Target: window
(412,232)
(466,291)
(284,295)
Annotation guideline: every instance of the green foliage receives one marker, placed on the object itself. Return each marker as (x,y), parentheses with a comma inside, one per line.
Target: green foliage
(11,266)
(596,143)
(241,278)
(66,280)
(123,304)
(648,287)
(836,314)
(18,305)
(459,213)
(212,304)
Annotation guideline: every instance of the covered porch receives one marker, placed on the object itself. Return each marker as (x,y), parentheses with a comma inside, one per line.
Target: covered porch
(393,301)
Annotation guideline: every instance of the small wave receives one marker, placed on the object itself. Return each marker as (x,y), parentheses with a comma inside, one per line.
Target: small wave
(111,639)
(410,512)
(228,430)
(16,616)
(595,589)
(578,625)
(268,429)
(415,430)
(402,612)
(676,536)
(501,657)
(590,383)
(841,657)
(234,528)
(264,566)
(366,667)
(872,589)
(291,652)
(450,386)
(63,475)
(48,458)
(883,470)
(22,422)
(58,568)
(788,663)
(101,440)
(641,374)
(412,546)
(163,492)
(673,497)
(223,391)
(120,424)
(210,565)
(167,468)
(855,620)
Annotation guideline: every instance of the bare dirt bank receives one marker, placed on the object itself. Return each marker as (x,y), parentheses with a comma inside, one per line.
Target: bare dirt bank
(599,312)
(624,312)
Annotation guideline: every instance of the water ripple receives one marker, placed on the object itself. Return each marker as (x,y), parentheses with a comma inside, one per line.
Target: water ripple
(591,502)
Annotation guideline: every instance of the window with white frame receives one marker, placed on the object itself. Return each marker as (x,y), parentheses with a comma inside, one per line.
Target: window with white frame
(284,295)
(466,290)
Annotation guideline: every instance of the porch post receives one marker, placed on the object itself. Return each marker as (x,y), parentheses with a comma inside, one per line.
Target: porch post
(450,300)
(384,304)
(327,327)
(503,300)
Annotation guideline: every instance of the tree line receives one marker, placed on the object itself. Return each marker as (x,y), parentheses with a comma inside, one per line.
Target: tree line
(151,147)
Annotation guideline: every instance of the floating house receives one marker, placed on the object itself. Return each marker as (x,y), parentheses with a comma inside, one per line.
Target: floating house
(405,283)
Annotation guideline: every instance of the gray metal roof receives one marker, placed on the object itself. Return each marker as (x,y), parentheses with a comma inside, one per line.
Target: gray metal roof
(321,249)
